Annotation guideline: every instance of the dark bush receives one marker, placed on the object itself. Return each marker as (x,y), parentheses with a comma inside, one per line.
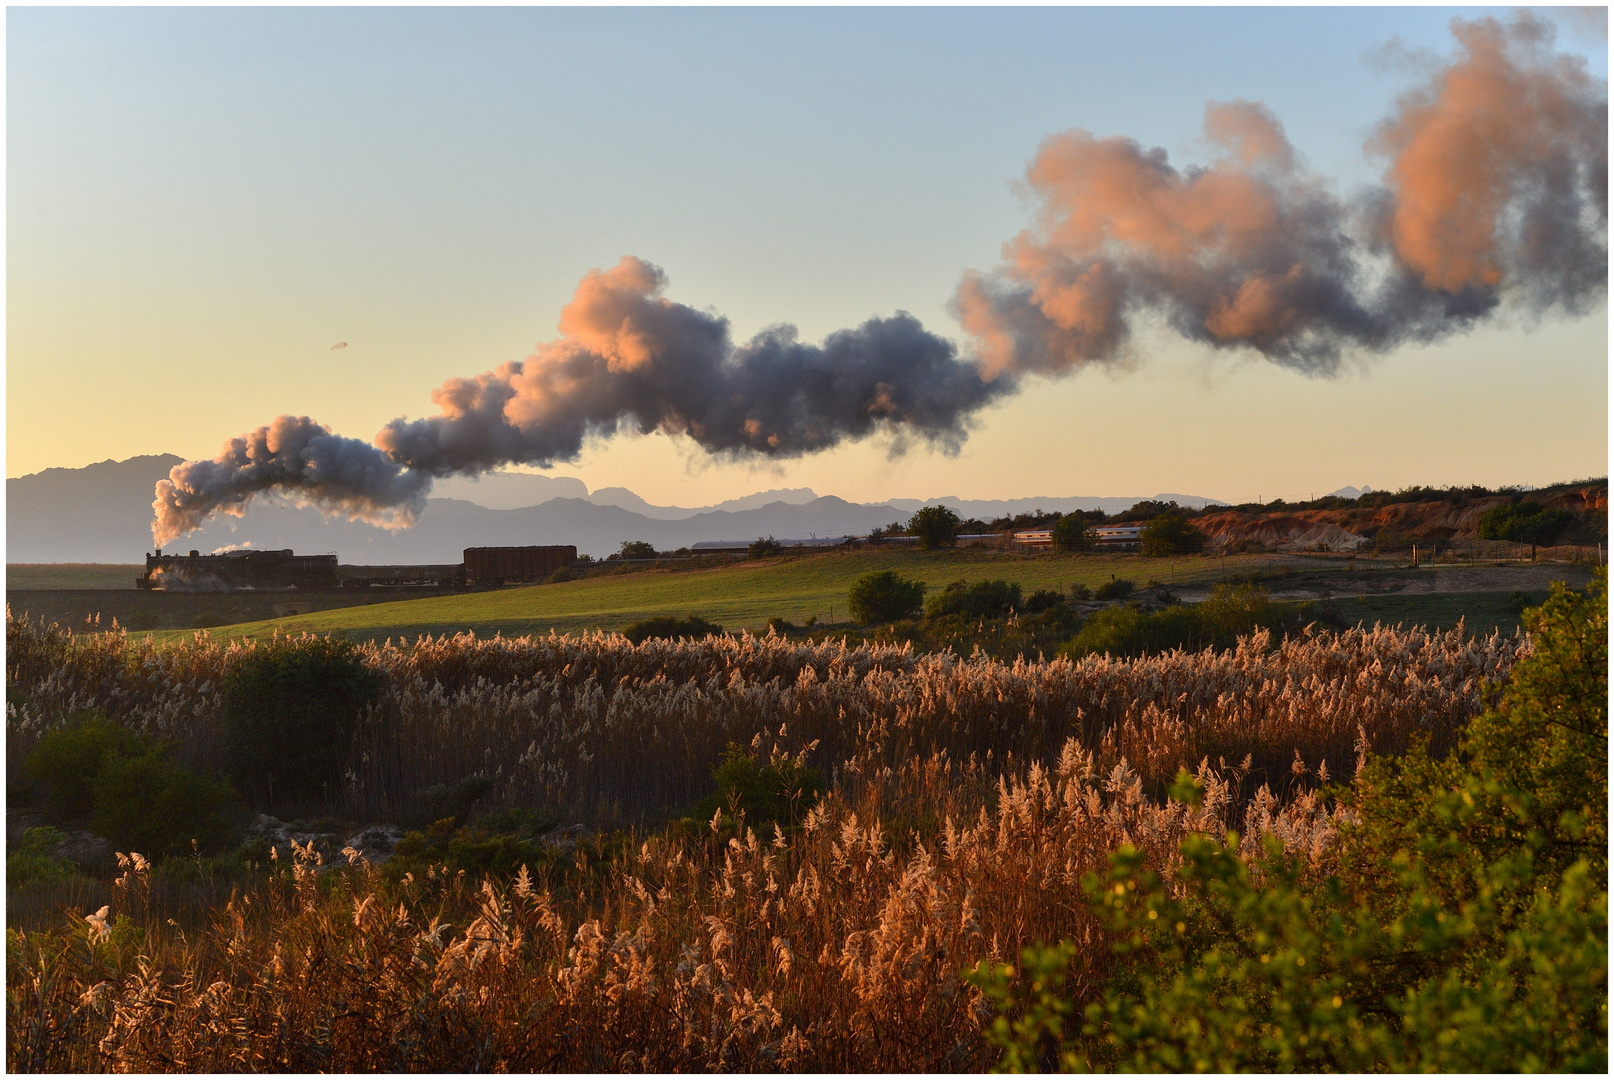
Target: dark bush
(1080,592)
(666,626)
(637,549)
(1074,532)
(1042,600)
(69,759)
(1526,522)
(34,860)
(980,600)
(1231,612)
(1114,589)
(1171,534)
(446,800)
(148,804)
(290,709)
(780,792)
(761,549)
(883,597)
(1148,509)
(521,821)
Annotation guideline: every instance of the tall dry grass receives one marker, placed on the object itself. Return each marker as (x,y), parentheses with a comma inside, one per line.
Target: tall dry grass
(968,799)
(602,730)
(838,947)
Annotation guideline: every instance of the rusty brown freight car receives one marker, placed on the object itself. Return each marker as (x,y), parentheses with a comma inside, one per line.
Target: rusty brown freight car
(496,565)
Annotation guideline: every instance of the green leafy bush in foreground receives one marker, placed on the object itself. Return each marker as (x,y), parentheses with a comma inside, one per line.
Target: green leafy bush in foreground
(1461,925)
(289,711)
(1230,612)
(33,861)
(883,597)
(666,626)
(760,796)
(135,796)
(149,804)
(70,758)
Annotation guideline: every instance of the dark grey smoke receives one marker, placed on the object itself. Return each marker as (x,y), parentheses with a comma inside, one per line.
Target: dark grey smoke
(630,357)
(301,458)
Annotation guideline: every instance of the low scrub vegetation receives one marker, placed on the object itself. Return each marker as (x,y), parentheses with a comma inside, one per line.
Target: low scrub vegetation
(823,857)
(1458,922)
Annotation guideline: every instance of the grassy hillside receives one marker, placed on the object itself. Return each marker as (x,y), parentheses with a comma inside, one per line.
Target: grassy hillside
(743,596)
(72,575)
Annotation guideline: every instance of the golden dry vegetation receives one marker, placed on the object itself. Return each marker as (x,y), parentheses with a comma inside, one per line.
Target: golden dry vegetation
(967,798)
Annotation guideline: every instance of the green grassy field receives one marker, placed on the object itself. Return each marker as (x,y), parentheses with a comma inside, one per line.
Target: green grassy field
(72,575)
(742,596)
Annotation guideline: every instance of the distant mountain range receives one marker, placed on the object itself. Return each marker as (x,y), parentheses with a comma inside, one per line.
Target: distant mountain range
(102,513)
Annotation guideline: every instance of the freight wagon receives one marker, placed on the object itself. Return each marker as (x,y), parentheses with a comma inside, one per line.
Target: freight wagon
(497,565)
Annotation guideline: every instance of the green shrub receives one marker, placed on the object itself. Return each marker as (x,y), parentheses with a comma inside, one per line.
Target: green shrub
(70,758)
(780,792)
(981,600)
(1114,589)
(446,800)
(147,804)
(1171,534)
(1043,600)
(1526,522)
(523,821)
(761,549)
(1461,926)
(883,597)
(33,862)
(1231,612)
(637,549)
(289,711)
(666,626)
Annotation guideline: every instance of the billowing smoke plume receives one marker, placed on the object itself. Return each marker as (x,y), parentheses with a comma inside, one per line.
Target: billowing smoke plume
(629,356)
(1496,189)
(626,356)
(301,458)
(1495,192)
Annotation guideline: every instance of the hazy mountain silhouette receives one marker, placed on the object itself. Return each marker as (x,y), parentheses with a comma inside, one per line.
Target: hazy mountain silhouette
(102,513)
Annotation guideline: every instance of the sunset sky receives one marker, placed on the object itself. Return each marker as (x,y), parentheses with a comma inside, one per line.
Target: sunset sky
(201,202)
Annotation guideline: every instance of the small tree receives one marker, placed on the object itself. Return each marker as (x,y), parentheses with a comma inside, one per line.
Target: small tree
(936,526)
(637,549)
(761,549)
(1171,534)
(883,597)
(1074,532)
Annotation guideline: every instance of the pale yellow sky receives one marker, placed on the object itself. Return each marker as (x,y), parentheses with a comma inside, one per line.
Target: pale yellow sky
(202,201)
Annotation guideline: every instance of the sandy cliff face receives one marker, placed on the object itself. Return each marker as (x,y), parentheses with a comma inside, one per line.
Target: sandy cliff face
(1353,528)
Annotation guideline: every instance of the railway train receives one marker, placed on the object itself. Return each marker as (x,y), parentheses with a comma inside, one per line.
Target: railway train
(250,568)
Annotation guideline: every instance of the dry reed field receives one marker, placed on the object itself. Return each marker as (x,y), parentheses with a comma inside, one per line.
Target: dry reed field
(967,798)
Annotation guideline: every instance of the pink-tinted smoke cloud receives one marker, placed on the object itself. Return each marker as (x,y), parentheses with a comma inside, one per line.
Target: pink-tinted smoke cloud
(1495,190)
(1494,193)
